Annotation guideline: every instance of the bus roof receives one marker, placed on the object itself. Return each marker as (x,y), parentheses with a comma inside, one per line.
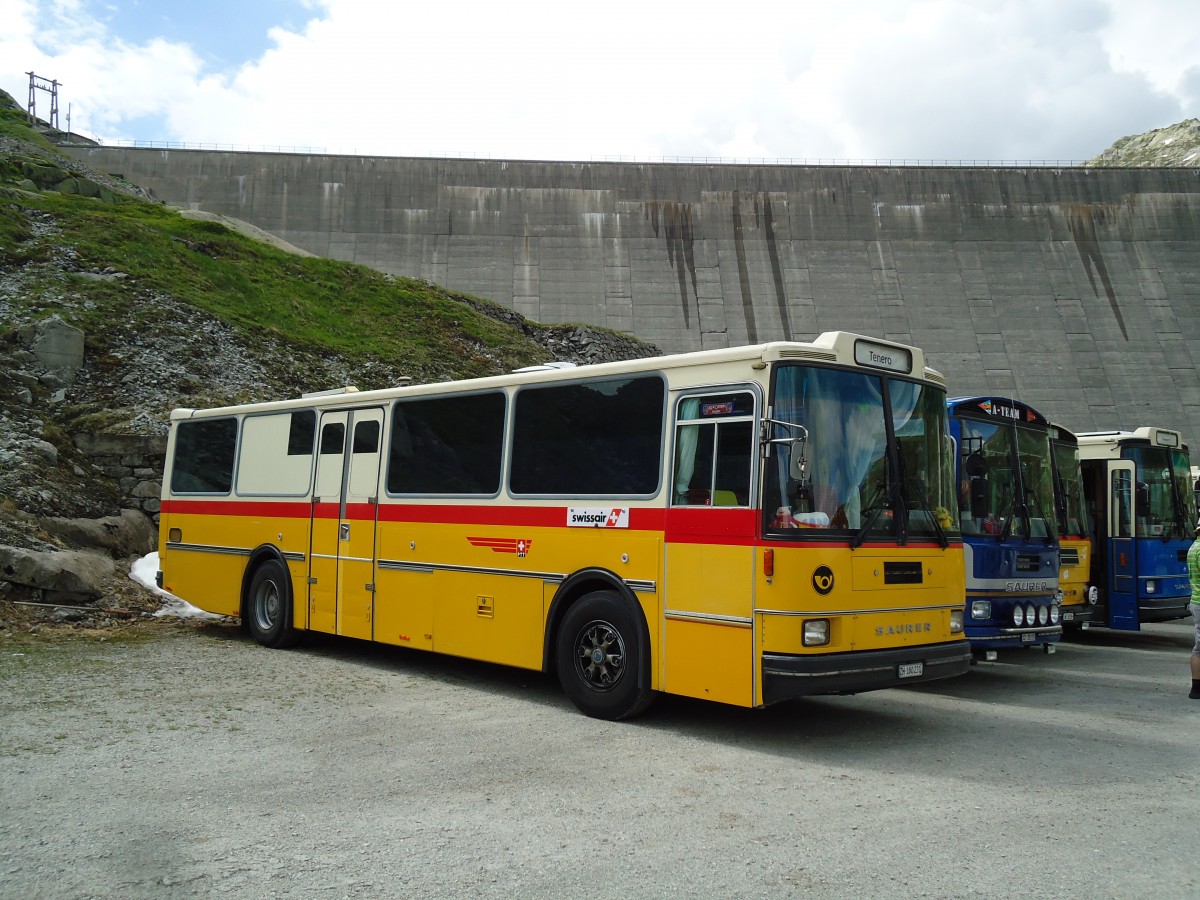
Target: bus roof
(1101,444)
(1002,408)
(838,347)
(1062,434)
(1158,437)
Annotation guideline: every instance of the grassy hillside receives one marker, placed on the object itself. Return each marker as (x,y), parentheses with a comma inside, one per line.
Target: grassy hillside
(319,305)
(177,311)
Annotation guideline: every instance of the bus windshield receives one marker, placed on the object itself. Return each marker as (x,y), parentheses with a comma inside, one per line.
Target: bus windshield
(1165,504)
(1007,485)
(1073,517)
(855,479)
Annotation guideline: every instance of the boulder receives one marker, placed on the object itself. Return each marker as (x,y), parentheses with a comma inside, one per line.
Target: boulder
(57,346)
(63,576)
(129,534)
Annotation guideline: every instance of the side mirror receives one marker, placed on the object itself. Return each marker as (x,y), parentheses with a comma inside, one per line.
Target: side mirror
(979,498)
(975,465)
(1142,501)
(798,463)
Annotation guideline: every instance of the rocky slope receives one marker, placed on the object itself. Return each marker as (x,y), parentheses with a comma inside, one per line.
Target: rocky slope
(1175,145)
(70,522)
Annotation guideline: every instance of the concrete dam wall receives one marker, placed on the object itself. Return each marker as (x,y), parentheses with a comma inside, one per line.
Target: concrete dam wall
(1074,290)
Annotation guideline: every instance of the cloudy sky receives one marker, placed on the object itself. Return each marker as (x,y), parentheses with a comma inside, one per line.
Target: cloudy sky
(623,79)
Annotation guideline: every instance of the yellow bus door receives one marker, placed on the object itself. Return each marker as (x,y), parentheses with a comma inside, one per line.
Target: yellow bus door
(326,520)
(356,527)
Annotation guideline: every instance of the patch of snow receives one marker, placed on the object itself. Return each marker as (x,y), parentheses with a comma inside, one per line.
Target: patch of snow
(143,572)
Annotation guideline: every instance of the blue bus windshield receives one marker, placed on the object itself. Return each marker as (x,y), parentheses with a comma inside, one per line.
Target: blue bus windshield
(1007,484)
(1166,506)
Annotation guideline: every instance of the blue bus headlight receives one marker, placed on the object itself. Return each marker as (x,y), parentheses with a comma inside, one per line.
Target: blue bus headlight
(1030,614)
(956,619)
(1043,615)
(816,632)
(981,609)
(1054,614)
(1150,587)
(1018,615)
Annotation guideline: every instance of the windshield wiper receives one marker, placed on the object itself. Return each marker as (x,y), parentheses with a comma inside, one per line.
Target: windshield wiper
(1177,503)
(937,526)
(873,511)
(1008,520)
(1051,534)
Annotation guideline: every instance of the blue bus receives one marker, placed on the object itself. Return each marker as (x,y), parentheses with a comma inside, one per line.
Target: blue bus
(1140,488)
(1007,514)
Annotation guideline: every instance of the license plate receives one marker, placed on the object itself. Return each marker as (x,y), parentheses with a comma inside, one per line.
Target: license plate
(1068,617)
(1027,638)
(910,670)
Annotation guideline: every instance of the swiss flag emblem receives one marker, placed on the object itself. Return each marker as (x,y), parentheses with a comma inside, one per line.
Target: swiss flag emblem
(614,518)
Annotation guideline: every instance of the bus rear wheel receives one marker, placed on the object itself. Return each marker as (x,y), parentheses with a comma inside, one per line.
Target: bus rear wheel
(599,657)
(269,606)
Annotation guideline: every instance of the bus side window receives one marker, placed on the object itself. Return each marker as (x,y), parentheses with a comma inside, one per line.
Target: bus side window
(333,438)
(713,458)
(735,444)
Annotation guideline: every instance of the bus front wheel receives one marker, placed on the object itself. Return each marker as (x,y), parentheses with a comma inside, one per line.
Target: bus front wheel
(269,606)
(599,656)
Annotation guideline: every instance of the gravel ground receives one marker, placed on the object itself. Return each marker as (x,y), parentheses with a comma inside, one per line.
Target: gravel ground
(179,759)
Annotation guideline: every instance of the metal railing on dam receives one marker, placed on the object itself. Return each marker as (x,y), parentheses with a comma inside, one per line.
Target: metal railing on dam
(663,160)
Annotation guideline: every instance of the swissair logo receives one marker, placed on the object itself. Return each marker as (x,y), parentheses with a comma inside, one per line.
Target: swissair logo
(519,546)
(597,517)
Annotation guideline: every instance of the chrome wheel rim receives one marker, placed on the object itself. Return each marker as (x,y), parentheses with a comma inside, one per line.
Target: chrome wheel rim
(267,603)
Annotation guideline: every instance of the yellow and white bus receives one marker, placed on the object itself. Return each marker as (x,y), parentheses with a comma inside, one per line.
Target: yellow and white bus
(742,525)
(1079,594)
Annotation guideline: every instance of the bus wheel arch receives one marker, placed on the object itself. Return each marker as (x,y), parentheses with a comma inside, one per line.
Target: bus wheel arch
(599,644)
(267,603)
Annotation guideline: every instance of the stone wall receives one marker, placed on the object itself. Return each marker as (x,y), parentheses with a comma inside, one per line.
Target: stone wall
(134,461)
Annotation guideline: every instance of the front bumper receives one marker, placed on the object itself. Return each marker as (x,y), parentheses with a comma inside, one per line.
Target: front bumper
(1079,614)
(787,676)
(1002,638)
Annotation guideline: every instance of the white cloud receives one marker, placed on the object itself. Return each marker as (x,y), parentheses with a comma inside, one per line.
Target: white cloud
(940,79)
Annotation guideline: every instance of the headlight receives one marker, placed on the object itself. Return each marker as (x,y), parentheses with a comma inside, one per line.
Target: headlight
(1054,614)
(1030,614)
(1093,594)
(1043,615)
(816,632)
(1018,615)
(981,609)
(1149,587)
(956,620)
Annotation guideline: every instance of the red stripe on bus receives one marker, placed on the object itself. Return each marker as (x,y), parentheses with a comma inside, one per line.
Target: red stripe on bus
(266,509)
(679,525)
(640,518)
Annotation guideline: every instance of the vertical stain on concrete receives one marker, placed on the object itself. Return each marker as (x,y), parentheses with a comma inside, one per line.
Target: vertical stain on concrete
(739,245)
(776,268)
(1082,220)
(675,220)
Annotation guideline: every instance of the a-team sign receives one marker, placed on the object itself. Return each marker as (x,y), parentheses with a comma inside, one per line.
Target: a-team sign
(597,517)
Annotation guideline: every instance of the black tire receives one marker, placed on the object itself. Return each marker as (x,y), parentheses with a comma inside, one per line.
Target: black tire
(269,606)
(602,663)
